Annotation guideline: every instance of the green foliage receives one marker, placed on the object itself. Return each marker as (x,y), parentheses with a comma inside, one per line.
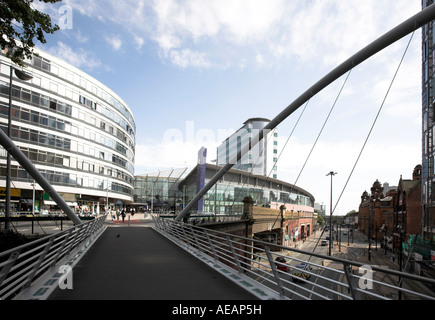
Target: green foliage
(320,220)
(19,21)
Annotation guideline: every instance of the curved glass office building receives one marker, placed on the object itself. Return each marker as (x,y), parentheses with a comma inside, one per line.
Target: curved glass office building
(226,197)
(75,130)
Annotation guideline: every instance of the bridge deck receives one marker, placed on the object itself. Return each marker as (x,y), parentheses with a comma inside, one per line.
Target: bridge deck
(140,264)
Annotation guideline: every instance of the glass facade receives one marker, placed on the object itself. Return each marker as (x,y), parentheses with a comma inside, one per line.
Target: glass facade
(226,197)
(428,125)
(159,192)
(78,133)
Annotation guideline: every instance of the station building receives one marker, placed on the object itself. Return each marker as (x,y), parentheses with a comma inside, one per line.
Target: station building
(226,197)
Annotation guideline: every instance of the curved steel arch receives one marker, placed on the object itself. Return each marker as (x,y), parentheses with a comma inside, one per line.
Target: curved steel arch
(405,28)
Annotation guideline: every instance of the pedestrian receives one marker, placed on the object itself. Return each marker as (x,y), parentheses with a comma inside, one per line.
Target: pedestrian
(393,257)
(123,214)
(117,214)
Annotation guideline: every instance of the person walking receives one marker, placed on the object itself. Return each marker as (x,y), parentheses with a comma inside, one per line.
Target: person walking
(123,214)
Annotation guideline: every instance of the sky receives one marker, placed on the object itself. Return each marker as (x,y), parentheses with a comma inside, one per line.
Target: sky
(193,71)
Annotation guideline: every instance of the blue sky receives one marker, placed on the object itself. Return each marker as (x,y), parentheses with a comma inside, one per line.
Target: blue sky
(194,71)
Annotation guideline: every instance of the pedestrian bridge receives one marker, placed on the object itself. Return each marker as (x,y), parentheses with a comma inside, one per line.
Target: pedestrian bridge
(169,259)
(161,259)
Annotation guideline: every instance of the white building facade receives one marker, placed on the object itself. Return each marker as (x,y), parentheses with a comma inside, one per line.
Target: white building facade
(261,159)
(75,130)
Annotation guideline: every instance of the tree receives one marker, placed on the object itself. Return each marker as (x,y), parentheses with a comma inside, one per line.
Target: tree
(19,21)
(320,220)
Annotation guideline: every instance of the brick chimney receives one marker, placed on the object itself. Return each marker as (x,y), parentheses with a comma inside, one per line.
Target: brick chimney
(416,175)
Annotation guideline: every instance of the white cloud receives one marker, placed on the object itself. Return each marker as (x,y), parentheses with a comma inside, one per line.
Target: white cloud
(77,57)
(323,30)
(114,42)
(187,58)
(139,42)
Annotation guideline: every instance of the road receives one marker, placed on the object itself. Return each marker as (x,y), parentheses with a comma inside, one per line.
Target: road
(324,283)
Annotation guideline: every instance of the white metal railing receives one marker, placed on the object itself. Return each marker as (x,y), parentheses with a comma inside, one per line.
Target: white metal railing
(21,266)
(325,277)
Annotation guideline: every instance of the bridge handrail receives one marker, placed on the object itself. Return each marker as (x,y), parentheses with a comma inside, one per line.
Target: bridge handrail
(256,259)
(22,265)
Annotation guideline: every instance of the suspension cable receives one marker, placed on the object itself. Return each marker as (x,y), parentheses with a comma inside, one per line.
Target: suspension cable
(375,120)
(321,130)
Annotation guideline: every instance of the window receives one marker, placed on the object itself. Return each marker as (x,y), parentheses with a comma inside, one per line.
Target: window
(25,95)
(4,109)
(44,101)
(24,134)
(45,65)
(43,138)
(33,155)
(25,114)
(52,122)
(51,139)
(42,157)
(53,104)
(61,107)
(43,120)
(34,116)
(4,88)
(41,63)
(35,98)
(34,136)
(15,112)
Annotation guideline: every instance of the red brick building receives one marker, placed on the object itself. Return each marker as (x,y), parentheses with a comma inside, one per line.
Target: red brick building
(372,209)
(408,209)
(395,216)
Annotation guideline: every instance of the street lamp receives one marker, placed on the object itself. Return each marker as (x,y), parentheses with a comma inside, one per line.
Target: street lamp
(25,77)
(332,173)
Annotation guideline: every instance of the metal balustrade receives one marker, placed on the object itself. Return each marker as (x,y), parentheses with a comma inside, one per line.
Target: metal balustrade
(20,267)
(326,277)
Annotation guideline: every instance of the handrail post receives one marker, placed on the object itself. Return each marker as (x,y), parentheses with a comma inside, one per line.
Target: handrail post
(356,295)
(59,251)
(274,271)
(236,260)
(211,246)
(7,267)
(38,263)
(195,238)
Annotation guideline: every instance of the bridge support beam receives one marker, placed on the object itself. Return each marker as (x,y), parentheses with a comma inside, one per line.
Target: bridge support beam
(18,155)
(405,28)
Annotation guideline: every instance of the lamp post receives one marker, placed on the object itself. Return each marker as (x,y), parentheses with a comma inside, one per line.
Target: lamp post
(25,77)
(332,173)
(369,248)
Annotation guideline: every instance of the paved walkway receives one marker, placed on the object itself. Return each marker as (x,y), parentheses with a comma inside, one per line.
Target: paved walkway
(134,262)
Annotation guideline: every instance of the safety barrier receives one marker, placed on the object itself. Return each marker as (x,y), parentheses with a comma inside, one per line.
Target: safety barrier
(291,273)
(21,266)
